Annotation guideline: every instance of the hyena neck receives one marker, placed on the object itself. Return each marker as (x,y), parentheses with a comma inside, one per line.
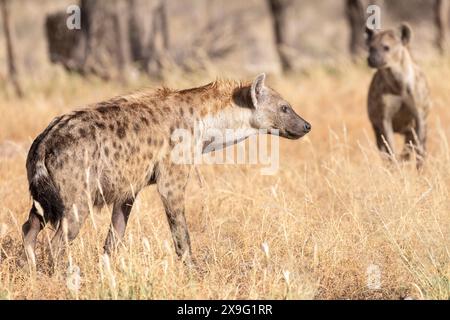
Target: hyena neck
(403,74)
(230,124)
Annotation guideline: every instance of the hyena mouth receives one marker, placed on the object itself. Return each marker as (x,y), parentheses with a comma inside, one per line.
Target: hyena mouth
(375,64)
(294,135)
(286,133)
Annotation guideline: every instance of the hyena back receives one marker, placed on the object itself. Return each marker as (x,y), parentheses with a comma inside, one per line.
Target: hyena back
(107,153)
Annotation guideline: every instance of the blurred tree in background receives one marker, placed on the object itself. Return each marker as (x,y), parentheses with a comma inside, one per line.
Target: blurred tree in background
(356,20)
(113,34)
(278,9)
(9,43)
(441,12)
(154,37)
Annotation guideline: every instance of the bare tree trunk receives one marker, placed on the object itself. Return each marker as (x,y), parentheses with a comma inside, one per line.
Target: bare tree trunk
(12,69)
(356,20)
(278,10)
(113,34)
(104,53)
(119,23)
(158,45)
(441,12)
(164,25)
(67,47)
(136,32)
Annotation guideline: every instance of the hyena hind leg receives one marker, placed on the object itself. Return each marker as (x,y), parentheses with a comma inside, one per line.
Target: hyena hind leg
(30,231)
(119,220)
(68,229)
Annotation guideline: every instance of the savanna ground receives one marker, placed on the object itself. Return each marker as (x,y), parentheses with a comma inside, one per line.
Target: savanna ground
(333,212)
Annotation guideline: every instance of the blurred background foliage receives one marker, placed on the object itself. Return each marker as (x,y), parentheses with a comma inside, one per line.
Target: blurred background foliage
(120,39)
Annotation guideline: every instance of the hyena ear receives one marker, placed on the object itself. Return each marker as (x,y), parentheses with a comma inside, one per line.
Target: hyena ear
(369,35)
(405,33)
(257,89)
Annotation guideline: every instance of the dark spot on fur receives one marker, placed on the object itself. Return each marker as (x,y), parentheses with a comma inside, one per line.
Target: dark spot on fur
(114,144)
(92,131)
(100,125)
(82,132)
(106,107)
(106,151)
(149,140)
(121,132)
(111,127)
(136,127)
(102,110)
(116,156)
(144,121)
(191,110)
(59,143)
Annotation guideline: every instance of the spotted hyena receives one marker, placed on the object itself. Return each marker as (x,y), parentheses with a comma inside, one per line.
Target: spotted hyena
(108,152)
(398,99)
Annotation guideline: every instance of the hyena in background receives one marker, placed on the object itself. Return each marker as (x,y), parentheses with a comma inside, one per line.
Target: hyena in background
(399,98)
(107,153)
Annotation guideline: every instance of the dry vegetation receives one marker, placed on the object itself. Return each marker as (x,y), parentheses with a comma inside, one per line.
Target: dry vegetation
(332,210)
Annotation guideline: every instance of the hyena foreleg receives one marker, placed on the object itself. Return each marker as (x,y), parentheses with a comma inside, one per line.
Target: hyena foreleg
(385,137)
(119,220)
(171,183)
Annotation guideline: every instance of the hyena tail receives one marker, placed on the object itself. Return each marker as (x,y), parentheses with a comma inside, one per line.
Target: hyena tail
(42,187)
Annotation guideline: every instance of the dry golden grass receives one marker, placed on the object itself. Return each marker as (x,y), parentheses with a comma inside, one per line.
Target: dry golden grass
(311,231)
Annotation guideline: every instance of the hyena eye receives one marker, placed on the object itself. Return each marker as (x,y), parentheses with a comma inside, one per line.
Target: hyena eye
(386,48)
(284,108)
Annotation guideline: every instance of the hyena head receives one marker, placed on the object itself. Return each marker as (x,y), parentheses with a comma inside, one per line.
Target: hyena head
(271,112)
(386,47)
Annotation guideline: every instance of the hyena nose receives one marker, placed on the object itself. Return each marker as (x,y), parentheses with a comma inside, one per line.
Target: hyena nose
(307,127)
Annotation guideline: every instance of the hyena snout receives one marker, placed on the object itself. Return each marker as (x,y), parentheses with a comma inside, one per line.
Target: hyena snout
(375,59)
(296,128)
